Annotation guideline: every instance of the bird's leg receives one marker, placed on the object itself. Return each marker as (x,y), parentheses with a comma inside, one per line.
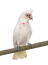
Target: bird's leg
(18,47)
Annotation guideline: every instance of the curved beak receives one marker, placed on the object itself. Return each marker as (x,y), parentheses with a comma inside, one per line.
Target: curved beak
(31,17)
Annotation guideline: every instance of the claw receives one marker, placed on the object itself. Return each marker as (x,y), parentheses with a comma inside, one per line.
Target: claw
(30,45)
(18,47)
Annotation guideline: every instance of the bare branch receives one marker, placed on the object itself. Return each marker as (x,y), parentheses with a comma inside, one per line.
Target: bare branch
(22,48)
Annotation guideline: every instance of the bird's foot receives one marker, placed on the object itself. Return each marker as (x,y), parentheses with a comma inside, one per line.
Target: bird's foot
(30,45)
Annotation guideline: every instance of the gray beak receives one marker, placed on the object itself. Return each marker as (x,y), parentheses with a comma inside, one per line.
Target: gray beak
(31,17)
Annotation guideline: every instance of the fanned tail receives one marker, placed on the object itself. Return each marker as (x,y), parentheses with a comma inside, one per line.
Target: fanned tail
(20,55)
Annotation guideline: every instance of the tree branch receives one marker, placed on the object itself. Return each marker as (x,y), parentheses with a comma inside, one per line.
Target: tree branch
(22,48)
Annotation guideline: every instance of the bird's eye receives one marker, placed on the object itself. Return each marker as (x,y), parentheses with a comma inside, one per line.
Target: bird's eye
(26,14)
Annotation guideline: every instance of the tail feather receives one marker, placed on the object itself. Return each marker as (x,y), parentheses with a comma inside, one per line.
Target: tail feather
(15,56)
(21,54)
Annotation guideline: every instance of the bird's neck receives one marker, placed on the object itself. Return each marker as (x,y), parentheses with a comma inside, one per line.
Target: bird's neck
(22,20)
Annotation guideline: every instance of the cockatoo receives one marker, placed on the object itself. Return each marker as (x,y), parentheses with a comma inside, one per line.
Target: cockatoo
(22,33)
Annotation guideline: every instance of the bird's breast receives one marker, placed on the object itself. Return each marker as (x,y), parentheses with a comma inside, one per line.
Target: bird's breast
(22,33)
(22,29)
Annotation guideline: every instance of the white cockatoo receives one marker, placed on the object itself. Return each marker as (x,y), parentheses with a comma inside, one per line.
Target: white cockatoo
(22,33)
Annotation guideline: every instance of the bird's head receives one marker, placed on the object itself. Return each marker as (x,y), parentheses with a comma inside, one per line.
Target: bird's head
(27,15)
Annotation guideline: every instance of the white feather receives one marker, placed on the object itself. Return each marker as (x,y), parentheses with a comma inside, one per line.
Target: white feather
(22,32)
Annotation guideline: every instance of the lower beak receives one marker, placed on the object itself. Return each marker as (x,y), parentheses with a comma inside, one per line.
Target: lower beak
(31,17)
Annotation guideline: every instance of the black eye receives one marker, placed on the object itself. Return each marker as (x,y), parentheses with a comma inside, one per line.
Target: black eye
(26,14)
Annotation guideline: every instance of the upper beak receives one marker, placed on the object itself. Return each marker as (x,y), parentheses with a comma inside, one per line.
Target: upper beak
(31,17)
